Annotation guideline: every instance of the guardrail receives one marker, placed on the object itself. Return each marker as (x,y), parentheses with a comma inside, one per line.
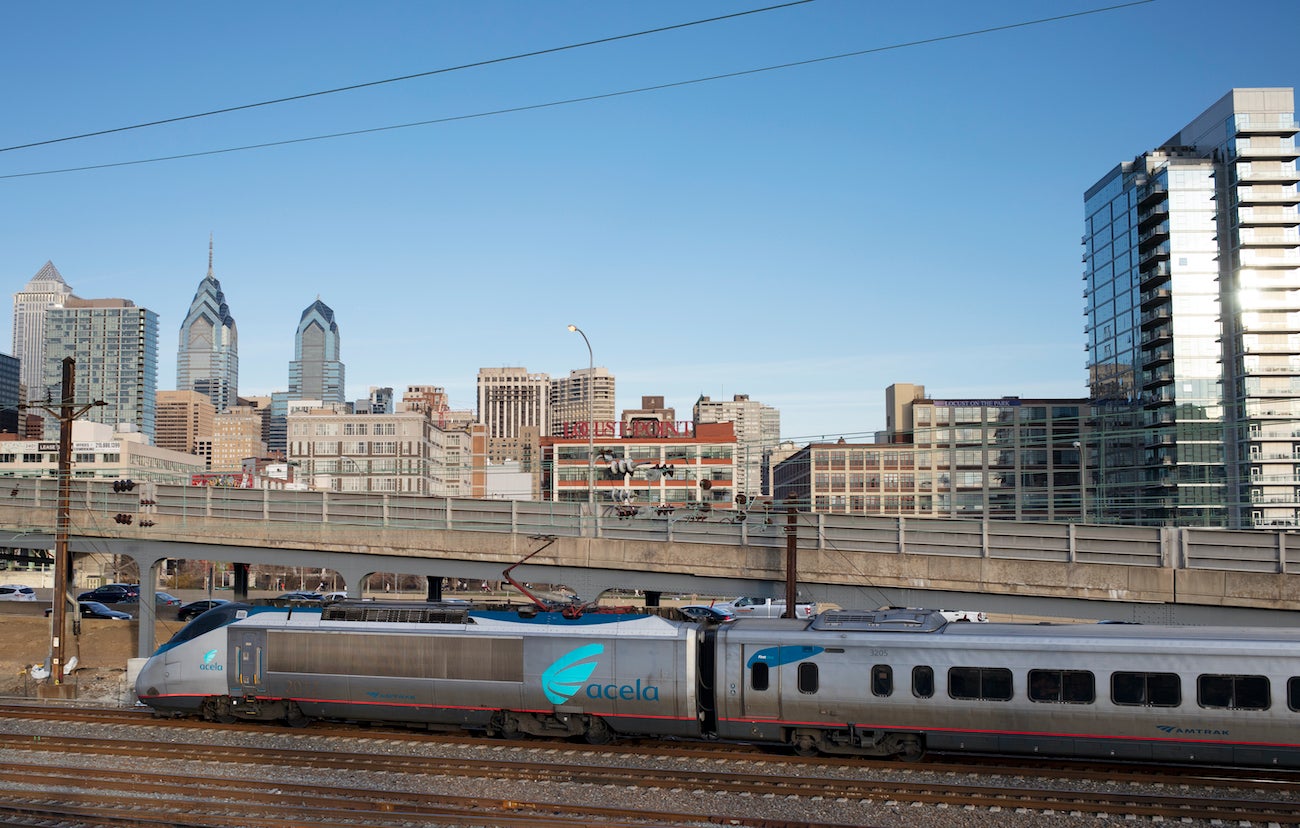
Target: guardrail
(1067,543)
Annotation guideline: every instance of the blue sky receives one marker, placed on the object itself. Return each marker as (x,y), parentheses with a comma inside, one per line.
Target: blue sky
(806,236)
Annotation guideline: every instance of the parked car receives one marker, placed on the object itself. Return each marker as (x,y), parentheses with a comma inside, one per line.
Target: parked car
(711,615)
(300,595)
(94,609)
(748,607)
(16,592)
(166,599)
(113,594)
(195,608)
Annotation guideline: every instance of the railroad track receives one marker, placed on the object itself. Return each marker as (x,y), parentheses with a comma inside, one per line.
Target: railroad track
(558,769)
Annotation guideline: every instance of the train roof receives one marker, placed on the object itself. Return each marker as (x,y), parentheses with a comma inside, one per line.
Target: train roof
(927,623)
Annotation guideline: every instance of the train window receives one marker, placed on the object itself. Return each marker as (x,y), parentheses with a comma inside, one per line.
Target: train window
(1068,686)
(807,677)
(1145,689)
(758,676)
(992,683)
(882,680)
(1233,692)
(1293,693)
(923,682)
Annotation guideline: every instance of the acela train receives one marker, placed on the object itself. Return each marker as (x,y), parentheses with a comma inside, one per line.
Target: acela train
(879,683)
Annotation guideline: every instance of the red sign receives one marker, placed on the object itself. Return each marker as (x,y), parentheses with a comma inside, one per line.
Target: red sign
(653,429)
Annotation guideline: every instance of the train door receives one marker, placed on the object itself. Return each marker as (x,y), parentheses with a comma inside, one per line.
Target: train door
(250,660)
(761,682)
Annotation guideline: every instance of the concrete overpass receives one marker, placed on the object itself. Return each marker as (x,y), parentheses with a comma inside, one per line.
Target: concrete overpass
(1153,575)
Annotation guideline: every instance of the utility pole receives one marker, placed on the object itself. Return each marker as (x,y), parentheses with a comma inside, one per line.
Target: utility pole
(67,412)
(791,560)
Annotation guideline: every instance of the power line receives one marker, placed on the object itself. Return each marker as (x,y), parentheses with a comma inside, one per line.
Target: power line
(583,99)
(430,73)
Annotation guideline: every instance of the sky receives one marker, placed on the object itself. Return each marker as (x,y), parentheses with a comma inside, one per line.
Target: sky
(807,235)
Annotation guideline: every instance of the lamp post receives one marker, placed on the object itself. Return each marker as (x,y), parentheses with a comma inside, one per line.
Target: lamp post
(591,422)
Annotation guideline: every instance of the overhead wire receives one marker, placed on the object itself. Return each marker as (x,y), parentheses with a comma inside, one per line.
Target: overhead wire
(584,98)
(367,84)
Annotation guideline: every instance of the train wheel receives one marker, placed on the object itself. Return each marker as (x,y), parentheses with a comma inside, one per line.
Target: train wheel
(597,732)
(217,709)
(294,716)
(804,744)
(911,749)
(505,725)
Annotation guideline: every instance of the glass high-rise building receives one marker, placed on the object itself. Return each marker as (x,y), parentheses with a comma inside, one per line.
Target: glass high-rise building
(1192,287)
(45,290)
(115,346)
(208,358)
(316,372)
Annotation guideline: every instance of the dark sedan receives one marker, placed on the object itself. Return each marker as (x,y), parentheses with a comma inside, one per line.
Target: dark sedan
(94,609)
(113,594)
(194,608)
(713,615)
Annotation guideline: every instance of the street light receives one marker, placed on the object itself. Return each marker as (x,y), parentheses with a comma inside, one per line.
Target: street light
(591,422)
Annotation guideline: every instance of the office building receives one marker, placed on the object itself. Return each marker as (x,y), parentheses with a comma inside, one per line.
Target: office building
(100,452)
(758,431)
(402,453)
(45,290)
(208,358)
(236,437)
(510,399)
(1006,458)
(115,347)
(670,469)
(571,408)
(182,419)
(10,394)
(316,372)
(1192,288)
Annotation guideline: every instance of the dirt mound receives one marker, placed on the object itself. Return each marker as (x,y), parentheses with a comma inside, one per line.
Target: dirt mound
(102,649)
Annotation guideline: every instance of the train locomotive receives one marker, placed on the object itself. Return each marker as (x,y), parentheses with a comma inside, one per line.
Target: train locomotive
(891,682)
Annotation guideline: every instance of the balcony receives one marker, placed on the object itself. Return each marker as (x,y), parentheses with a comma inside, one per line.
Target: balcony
(1148,259)
(1157,378)
(1153,195)
(1267,194)
(1261,124)
(1155,234)
(1267,172)
(1151,298)
(1155,275)
(1275,152)
(1159,356)
(1158,315)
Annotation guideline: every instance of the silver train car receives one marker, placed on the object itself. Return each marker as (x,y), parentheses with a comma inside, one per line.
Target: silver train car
(431,665)
(878,683)
(901,682)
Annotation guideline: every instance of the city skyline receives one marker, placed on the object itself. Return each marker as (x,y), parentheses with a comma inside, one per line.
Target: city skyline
(805,236)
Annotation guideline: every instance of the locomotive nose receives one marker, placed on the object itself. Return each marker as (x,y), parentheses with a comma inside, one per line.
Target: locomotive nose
(152,679)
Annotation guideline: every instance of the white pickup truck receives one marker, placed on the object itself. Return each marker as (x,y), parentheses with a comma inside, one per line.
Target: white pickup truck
(747,607)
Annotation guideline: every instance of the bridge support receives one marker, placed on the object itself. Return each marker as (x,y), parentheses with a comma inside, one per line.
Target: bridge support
(241,581)
(433,587)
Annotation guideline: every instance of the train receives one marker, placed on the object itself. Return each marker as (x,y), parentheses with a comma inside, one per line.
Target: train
(884,683)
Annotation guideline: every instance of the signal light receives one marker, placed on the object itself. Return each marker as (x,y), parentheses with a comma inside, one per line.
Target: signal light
(123,485)
(121,518)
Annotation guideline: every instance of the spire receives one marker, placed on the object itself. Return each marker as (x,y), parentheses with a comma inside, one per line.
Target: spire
(209,255)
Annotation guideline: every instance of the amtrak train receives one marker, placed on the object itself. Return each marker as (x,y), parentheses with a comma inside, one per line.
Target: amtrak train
(891,682)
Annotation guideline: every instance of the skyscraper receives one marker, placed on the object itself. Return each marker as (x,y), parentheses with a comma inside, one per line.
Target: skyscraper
(1192,287)
(569,400)
(758,431)
(513,405)
(115,345)
(316,372)
(46,290)
(208,358)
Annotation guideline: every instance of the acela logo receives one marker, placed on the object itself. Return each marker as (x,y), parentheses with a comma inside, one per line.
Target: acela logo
(209,661)
(562,680)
